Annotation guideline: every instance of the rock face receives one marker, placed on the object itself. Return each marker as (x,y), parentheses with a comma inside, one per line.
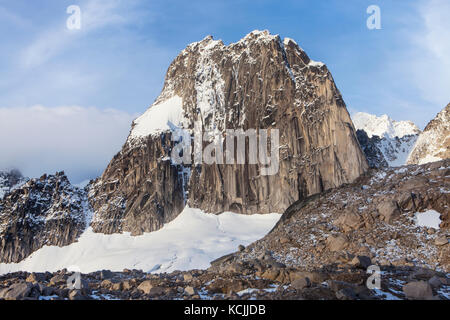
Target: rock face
(375,158)
(45,211)
(434,142)
(260,82)
(385,142)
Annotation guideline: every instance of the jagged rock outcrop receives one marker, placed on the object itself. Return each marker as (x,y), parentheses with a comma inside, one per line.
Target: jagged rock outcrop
(45,211)
(434,142)
(260,82)
(9,180)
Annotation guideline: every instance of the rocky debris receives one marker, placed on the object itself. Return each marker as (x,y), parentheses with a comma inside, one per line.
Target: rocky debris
(433,143)
(260,82)
(330,282)
(44,211)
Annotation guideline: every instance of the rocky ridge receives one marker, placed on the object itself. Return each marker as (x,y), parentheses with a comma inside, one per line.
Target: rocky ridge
(44,211)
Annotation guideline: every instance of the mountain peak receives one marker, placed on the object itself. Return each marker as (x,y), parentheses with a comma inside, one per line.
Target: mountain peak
(383,126)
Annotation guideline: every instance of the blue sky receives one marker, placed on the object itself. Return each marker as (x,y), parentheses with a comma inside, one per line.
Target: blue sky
(115,65)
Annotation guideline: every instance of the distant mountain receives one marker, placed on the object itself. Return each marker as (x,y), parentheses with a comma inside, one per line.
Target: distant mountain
(383,126)
(385,142)
(434,142)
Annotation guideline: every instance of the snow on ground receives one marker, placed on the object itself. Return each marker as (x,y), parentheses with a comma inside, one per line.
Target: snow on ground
(429,219)
(158,118)
(191,241)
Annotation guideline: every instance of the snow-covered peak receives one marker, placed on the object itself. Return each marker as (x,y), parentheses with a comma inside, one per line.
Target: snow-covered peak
(383,126)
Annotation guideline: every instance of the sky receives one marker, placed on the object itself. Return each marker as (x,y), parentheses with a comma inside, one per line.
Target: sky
(67,97)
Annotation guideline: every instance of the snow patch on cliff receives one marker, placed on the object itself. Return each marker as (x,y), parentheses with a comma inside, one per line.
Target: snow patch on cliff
(158,118)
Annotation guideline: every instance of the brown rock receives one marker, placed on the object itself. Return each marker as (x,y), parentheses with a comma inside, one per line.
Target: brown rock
(16,291)
(189,291)
(361,262)
(301,283)
(337,243)
(441,241)
(349,220)
(388,210)
(146,286)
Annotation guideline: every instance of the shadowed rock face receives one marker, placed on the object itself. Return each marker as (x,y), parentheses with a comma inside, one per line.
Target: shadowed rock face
(45,211)
(260,82)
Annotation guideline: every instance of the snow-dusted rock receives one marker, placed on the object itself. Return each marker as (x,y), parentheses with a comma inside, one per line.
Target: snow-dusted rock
(434,142)
(385,142)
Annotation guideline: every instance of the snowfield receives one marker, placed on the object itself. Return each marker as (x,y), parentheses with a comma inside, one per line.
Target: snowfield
(191,241)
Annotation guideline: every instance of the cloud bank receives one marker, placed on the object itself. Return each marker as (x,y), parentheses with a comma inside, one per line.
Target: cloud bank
(81,141)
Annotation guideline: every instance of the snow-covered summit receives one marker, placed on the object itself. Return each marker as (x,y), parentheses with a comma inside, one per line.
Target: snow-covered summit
(383,126)
(385,142)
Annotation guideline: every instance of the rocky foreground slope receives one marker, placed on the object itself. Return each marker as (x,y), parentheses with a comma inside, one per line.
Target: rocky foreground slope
(259,82)
(320,249)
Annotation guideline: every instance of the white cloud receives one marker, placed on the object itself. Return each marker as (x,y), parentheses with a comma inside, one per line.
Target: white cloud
(81,141)
(430,63)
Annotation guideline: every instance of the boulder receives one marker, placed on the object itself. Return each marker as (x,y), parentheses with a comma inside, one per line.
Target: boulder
(441,241)
(349,220)
(189,291)
(337,243)
(300,284)
(388,210)
(145,286)
(362,262)
(16,291)
(418,290)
